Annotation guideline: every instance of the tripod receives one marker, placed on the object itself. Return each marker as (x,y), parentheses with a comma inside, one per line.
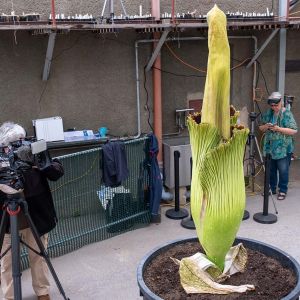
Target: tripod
(112,13)
(253,143)
(13,205)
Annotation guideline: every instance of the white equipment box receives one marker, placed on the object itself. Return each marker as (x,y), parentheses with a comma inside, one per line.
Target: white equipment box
(49,129)
(181,144)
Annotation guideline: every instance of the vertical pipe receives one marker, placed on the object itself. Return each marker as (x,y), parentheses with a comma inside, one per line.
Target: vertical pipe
(157,101)
(137,90)
(155,9)
(53,13)
(173,11)
(283,14)
(254,74)
(283,10)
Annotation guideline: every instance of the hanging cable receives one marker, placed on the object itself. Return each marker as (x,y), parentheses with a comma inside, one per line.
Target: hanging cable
(263,76)
(41,97)
(179,75)
(182,61)
(200,70)
(147,100)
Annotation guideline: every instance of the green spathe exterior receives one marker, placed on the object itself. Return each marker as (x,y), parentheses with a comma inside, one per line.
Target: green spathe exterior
(217,189)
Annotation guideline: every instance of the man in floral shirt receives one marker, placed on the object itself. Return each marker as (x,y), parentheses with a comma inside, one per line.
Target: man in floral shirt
(279,126)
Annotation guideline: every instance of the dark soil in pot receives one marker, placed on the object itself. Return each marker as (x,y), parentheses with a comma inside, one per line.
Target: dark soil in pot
(272,280)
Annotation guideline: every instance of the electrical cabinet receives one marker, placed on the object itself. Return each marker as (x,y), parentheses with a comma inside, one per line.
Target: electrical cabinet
(181,144)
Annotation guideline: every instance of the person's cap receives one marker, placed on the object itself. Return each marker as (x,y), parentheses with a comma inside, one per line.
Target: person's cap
(274,98)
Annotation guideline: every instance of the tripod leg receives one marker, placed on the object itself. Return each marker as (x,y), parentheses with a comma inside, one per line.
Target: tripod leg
(252,157)
(3,225)
(43,252)
(15,255)
(259,153)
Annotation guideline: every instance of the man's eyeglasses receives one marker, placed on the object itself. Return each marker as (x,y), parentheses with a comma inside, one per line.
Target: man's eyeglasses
(275,105)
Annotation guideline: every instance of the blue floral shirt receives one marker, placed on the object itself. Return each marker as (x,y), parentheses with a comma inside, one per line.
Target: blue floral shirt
(276,143)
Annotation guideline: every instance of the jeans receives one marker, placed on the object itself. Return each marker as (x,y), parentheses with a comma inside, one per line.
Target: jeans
(281,167)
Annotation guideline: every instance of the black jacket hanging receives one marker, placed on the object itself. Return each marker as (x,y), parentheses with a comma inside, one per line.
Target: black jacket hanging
(114,163)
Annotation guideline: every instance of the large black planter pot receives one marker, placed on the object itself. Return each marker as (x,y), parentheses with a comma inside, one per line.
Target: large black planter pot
(285,259)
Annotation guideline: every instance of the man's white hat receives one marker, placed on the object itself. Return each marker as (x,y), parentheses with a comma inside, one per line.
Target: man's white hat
(275,97)
(11,132)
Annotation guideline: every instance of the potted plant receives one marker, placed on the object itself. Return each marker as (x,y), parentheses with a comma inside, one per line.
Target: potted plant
(218,194)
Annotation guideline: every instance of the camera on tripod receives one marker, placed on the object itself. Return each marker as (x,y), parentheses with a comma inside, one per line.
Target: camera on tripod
(20,156)
(288,100)
(252,116)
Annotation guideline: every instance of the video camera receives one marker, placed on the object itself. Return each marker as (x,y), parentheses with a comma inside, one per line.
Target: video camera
(20,156)
(288,100)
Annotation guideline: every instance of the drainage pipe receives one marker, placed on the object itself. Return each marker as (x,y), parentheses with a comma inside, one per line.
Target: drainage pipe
(53,13)
(156,78)
(284,15)
(181,39)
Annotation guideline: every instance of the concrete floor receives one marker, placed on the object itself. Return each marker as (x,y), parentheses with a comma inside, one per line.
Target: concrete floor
(107,270)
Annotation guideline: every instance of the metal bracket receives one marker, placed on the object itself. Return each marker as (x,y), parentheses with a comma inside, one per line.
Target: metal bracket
(261,49)
(48,60)
(157,49)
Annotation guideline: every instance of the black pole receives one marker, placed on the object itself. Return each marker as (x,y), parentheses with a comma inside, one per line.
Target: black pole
(176,174)
(177,213)
(267,185)
(265,217)
(188,222)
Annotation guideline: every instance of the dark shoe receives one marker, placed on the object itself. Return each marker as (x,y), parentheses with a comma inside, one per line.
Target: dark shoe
(281,196)
(44,297)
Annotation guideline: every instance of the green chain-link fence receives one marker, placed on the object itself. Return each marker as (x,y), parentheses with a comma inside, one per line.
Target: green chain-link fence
(87,210)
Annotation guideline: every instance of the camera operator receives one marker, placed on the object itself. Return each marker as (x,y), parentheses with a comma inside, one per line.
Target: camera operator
(41,209)
(279,126)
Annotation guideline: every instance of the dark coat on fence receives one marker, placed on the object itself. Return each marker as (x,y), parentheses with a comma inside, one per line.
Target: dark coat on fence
(155,176)
(114,164)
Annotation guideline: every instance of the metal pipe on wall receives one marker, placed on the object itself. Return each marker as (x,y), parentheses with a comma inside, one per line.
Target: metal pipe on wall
(182,39)
(173,11)
(156,75)
(53,13)
(283,14)
(155,9)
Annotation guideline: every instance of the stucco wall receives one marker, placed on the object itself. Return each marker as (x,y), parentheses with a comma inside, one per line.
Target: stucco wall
(92,79)
(132,6)
(91,83)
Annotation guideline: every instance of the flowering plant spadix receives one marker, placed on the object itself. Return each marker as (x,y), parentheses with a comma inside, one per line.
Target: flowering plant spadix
(217,189)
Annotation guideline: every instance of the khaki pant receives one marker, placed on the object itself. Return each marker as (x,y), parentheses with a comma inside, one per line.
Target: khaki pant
(38,266)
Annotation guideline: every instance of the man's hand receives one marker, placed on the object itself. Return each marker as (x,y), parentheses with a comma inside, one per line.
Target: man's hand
(275,128)
(266,127)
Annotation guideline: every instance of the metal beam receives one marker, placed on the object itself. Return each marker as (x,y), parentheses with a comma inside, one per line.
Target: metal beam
(261,49)
(157,49)
(48,60)
(283,14)
(147,25)
(281,62)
